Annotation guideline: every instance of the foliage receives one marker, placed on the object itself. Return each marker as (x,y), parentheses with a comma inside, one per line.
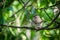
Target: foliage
(21,13)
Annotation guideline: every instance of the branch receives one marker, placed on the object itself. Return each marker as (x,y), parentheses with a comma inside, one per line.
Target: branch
(30,28)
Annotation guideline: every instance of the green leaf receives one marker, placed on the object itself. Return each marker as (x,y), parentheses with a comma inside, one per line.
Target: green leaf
(52,1)
(44,3)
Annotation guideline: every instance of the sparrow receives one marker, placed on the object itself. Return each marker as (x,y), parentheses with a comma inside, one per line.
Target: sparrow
(37,21)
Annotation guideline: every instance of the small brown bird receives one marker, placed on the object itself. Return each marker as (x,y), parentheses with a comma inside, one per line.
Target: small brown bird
(37,21)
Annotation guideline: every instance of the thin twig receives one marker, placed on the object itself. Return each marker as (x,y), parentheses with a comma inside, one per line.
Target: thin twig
(50,6)
(21,1)
(52,20)
(21,8)
(39,9)
(50,17)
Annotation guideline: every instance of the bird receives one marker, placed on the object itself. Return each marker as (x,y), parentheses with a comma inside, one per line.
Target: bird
(37,22)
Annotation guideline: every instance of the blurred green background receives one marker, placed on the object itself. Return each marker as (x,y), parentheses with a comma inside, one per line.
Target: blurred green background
(21,12)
